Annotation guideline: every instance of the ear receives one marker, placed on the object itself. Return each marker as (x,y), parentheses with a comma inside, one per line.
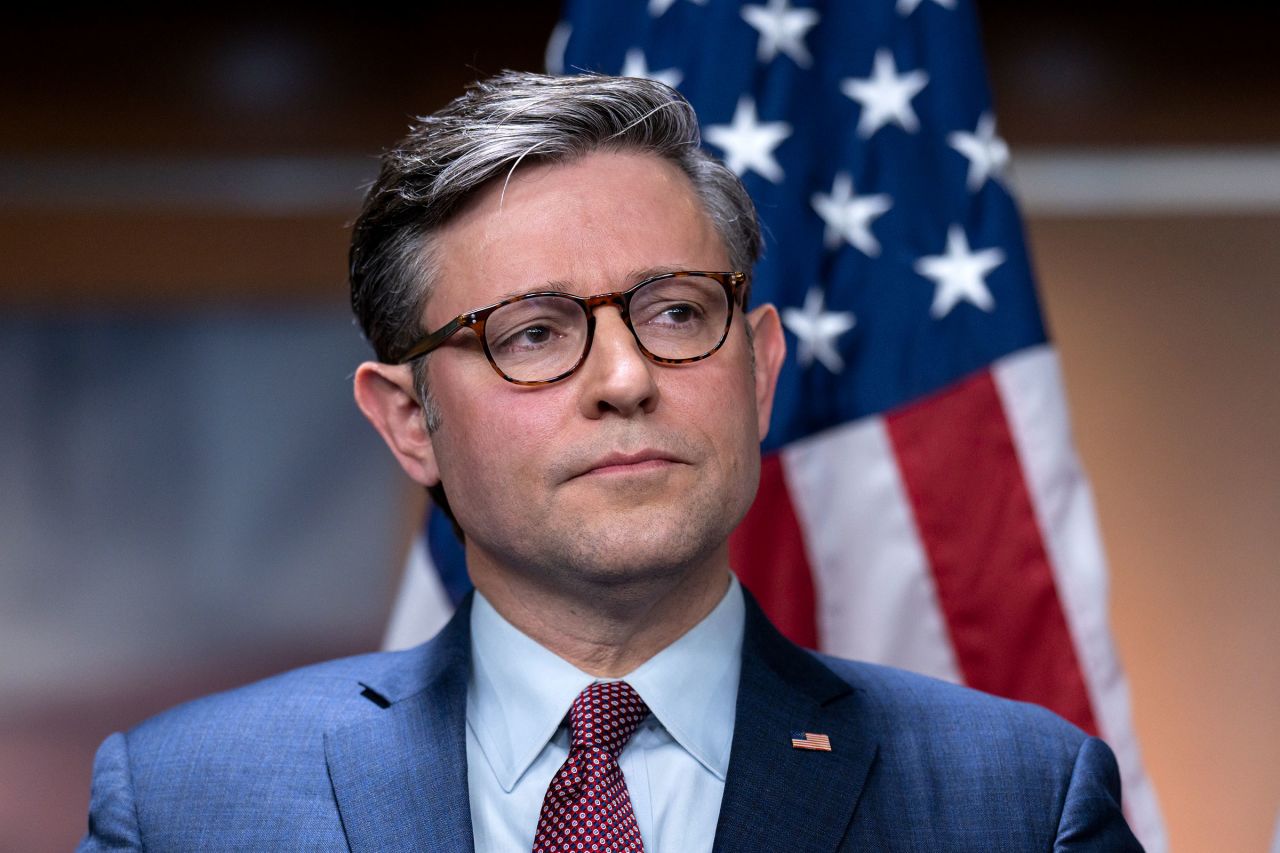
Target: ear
(385,393)
(770,349)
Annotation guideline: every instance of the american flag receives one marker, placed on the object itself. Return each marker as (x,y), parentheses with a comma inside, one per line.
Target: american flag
(921,504)
(810,740)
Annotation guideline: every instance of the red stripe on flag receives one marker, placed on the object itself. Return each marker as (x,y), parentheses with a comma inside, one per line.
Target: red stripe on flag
(767,554)
(995,585)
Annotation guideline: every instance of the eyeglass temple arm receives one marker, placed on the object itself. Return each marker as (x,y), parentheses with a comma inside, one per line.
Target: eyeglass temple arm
(435,339)
(742,284)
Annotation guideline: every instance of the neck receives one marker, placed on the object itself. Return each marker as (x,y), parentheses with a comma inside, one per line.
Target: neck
(606,631)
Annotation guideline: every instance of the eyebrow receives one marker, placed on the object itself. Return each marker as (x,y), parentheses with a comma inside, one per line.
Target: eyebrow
(650,272)
(562,286)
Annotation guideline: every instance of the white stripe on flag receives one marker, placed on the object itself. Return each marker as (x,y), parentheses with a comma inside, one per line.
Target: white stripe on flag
(1030,385)
(875,594)
(422,606)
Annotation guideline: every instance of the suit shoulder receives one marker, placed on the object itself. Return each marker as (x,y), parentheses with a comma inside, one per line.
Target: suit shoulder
(310,698)
(999,769)
(941,708)
(203,774)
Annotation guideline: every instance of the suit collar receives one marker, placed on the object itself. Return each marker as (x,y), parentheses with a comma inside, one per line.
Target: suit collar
(401,783)
(414,670)
(777,796)
(400,777)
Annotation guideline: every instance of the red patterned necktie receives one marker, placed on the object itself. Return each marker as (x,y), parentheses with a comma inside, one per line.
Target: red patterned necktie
(587,806)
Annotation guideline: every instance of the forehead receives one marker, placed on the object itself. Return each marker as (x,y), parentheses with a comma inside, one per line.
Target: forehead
(584,226)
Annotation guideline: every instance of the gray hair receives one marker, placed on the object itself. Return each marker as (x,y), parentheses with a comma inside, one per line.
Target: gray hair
(486,133)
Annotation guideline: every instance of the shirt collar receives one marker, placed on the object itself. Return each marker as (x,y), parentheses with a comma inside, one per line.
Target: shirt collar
(520,691)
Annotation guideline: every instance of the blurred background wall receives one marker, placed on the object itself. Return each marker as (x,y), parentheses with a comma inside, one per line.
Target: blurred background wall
(189,499)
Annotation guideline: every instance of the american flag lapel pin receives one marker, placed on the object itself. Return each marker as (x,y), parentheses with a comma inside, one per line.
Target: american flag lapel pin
(810,740)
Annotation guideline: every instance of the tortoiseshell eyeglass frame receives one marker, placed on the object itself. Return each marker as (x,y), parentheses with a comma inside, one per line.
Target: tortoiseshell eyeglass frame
(735,284)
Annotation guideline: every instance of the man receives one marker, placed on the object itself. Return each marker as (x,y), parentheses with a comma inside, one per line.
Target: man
(555,279)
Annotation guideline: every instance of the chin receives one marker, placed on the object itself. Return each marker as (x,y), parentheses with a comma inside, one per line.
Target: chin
(660,549)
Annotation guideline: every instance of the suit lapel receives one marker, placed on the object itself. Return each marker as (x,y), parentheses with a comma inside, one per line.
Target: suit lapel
(400,778)
(777,797)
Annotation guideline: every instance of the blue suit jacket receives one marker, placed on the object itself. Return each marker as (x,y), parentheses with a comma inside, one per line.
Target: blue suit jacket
(369,753)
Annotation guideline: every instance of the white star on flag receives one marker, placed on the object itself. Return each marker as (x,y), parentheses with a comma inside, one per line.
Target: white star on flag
(782,30)
(959,274)
(906,7)
(657,8)
(748,143)
(817,329)
(885,95)
(987,153)
(848,216)
(634,65)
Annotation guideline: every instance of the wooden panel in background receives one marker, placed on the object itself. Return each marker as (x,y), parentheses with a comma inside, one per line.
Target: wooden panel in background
(249,79)
(1167,330)
(255,79)
(144,259)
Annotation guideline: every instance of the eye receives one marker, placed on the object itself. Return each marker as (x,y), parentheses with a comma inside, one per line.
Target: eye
(672,314)
(677,314)
(528,338)
(678,305)
(534,325)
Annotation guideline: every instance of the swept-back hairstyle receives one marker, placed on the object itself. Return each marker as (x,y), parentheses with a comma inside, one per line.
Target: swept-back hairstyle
(484,134)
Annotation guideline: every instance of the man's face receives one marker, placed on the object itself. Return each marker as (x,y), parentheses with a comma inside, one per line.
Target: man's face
(626,467)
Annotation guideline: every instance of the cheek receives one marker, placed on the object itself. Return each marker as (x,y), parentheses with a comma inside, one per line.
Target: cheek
(519,438)
(734,404)
(494,437)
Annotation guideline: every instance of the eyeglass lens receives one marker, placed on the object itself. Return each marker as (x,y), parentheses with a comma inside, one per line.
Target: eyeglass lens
(543,336)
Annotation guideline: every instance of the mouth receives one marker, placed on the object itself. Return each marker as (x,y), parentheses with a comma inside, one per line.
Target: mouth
(622,464)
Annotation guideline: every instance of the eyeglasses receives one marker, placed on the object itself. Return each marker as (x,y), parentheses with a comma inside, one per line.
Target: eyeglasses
(543,337)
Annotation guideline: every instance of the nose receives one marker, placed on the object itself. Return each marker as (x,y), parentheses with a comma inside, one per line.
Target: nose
(616,377)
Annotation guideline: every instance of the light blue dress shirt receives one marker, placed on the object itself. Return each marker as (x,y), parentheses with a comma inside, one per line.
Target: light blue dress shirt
(675,763)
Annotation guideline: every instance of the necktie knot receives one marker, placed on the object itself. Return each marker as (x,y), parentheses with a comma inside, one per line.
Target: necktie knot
(587,806)
(605,715)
